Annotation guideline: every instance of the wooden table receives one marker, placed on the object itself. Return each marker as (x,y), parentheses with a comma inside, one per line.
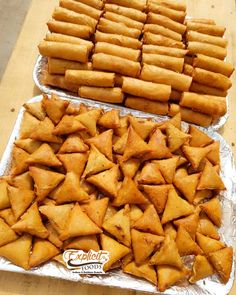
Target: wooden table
(17,86)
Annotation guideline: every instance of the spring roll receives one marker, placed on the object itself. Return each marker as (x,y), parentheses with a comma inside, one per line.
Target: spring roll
(118,40)
(167,62)
(206,104)
(128,53)
(207,49)
(69,16)
(128,12)
(81,8)
(124,20)
(201,20)
(155,49)
(166,22)
(64,50)
(98,4)
(108,26)
(206,28)
(69,39)
(213,64)
(59,82)
(156,29)
(173,14)
(211,79)
(188,60)
(80,31)
(203,89)
(116,64)
(177,5)
(149,90)
(188,70)
(59,66)
(155,74)
(118,80)
(175,95)
(136,4)
(199,37)
(145,105)
(153,39)
(111,95)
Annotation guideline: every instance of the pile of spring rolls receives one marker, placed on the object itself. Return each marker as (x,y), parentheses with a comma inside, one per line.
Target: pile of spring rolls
(143,54)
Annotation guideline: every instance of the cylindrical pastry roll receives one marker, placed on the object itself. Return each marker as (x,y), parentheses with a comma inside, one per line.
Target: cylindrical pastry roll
(175,95)
(128,12)
(116,64)
(69,16)
(188,60)
(177,5)
(206,104)
(173,109)
(211,79)
(207,49)
(168,62)
(64,50)
(136,4)
(199,37)
(153,39)
(118,80)
(145,105)
(206,28)
(166,22)
(98,4)
(59,82)
(81,8)
(156,29)
(128,53)
(118,40)
(90,78)
(80,31)
(201,21)
(159,75)
(177,52)
(108,26)
(149,90)
(203,89)
(213,64)
(59,66)
(174,14)
(123,19)
(69,39)
(188,70)
(111,95)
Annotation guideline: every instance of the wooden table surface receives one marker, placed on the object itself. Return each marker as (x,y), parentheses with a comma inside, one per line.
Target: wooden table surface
(17,86)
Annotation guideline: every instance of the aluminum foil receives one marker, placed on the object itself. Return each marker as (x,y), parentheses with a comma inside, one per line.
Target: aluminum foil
(41,64)
(116,278)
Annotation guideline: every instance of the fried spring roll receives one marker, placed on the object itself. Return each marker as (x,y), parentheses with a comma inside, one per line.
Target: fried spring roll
(211,79)
(118,40)
(173,14)
(145,105)
(175,95)
(128,53)
(80,31)
(156,29)
(153,39)
(98,4)
(111,95)
(155,49)
(118,80)
(177,5)
(128,12)
(199,37)
(159,75)
(206,28)
(64,50)
(188,60)
(90,78)
(188,70)
(136,4)
(213,64)
(207,49)
(123,19)
(59,82)
(69,16)
(206,104)
(167,62)
(203,89)
(166,22)
(149,90)
(116,64)
(69,39)
(81,8)
(59,66)
(202,21)
(108,26)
